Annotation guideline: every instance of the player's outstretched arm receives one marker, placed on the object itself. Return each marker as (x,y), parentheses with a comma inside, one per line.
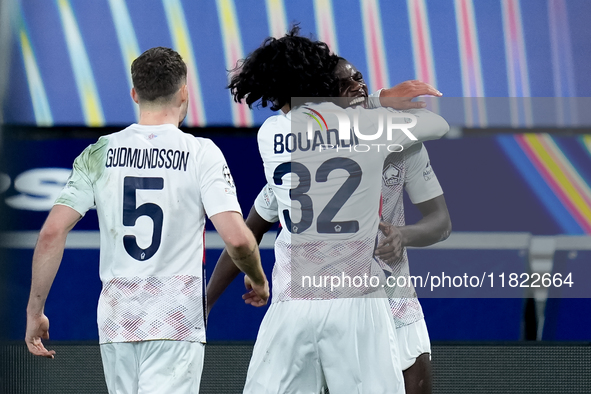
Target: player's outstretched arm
(46,261)
(225,270)
(243,250)
(429,126)
(400,96)
(435,226)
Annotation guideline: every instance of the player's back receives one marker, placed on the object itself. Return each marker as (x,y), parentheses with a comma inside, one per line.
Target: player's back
(328,192)
(149,184)
(149,202)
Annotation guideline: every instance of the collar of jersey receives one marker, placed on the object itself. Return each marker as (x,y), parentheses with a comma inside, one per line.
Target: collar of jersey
(152,128)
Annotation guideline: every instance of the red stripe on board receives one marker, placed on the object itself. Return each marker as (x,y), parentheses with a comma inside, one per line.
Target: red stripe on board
(530,153)
(424,67)
(375,49)
(326,31)
(193,112)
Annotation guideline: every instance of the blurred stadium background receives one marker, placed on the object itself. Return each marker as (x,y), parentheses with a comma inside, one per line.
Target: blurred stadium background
(515,168)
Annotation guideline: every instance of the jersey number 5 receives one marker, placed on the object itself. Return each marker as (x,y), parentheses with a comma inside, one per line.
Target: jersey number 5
(131,214)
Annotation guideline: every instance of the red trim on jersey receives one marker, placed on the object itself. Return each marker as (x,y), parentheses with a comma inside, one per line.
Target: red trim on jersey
(204,246)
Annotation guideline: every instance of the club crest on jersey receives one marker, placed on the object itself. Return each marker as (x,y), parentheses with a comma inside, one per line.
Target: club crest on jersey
(428,172)
(267,195)
(227,176)
(392,175)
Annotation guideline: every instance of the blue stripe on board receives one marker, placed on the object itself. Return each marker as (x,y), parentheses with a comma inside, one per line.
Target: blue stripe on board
(489,22)
(536,33)
(397,41)
(302,12)
(208,50)
(349,29)
(100,39)
(254,28)
(51,52)
(444,38)
(533,178)
(580,29)
(149,24)
(19,109)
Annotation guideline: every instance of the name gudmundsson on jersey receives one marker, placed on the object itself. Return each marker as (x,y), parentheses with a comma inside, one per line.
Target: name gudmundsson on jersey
(147,158)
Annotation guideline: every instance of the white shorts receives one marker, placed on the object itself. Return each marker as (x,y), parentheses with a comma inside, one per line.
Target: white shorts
(413,340)
(348,345)
(153,367)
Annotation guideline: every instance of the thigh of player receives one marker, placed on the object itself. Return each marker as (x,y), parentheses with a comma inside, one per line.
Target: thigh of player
(358,347)
(284,358)
(153,366)
(415,357)
(413,340)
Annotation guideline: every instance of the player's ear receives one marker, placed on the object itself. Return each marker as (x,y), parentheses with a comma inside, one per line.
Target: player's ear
(184,93)
(134,96)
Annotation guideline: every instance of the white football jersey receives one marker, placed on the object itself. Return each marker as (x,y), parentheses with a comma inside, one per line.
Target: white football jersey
(328,196)
(152,187)
(412,172)
(266,205)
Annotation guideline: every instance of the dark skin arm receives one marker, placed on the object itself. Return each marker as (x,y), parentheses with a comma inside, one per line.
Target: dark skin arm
(225,270)
(435,226)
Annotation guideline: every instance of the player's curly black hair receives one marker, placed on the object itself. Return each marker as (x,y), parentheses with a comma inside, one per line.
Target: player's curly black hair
(285,68)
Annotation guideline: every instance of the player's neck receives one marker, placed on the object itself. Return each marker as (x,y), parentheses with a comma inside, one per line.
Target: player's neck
(152,117)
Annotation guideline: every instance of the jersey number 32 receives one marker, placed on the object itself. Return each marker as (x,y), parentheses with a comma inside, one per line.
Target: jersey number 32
(324,223)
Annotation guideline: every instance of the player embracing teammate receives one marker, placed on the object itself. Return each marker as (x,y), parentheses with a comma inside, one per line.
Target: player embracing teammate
(327,199)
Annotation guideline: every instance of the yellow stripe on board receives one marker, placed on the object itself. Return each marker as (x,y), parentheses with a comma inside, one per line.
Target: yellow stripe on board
(127,40)
(559,177)
(87,91)
(587,142)
(39,99)
(567,168)
(241,114)
(181,39)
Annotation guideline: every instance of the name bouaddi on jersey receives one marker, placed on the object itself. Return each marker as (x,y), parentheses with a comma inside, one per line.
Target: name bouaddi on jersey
(411,171)
(328,195)
(152,187)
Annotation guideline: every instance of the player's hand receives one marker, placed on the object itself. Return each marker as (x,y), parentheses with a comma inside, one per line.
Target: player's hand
(400,96)
(389,249)
(258,294)
(37,329)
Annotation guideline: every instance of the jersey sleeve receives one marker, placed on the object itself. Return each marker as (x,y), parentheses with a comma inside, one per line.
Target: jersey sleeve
(266,205)
(403,128)
(373,100)
(420,183)
(78,193)
(376,93)
(218,191)
(429,126)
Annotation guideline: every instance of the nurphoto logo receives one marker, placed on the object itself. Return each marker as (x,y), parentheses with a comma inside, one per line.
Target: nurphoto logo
(344,130)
